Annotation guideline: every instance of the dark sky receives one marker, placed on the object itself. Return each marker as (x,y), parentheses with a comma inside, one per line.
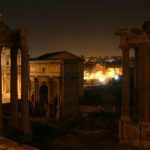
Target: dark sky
(83,27)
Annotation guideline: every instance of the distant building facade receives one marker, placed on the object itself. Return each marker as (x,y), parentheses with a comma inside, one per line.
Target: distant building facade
(55,87)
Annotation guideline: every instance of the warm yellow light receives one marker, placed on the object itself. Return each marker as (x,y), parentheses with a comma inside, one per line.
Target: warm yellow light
(103,75)
(116,77)
(101,79)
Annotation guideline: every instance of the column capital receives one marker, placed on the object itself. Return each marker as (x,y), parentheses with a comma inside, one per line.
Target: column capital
(125,48)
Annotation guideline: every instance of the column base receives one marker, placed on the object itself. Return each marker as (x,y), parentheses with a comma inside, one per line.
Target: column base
(1,131)
(1,126)
(136,134)
(27,136)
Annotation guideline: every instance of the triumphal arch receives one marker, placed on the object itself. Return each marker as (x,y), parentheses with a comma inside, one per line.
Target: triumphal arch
(134,124)
(15,40)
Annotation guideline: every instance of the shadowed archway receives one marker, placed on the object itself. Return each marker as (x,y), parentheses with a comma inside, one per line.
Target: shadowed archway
(43,98)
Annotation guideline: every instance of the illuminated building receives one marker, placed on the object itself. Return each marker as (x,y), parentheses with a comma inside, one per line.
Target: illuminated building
(16,42)
(53,77)
(101,75)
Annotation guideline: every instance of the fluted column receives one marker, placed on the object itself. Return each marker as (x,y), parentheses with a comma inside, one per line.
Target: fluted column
(1,120)
(14,89)
(126,86)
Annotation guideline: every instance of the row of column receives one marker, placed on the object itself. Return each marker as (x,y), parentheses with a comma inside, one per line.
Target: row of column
(142,82)
(14,114)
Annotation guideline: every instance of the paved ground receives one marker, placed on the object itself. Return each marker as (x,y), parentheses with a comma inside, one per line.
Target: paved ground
(96,132)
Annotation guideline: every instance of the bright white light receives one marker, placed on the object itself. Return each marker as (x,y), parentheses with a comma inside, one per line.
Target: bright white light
(101,79)
(116,77)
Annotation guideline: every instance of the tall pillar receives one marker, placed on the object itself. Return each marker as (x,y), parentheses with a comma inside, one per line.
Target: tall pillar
(58,96)
(24,82)
(13,88)
(137,81)
(126,85)
(24,91)
(1,120)
(144,84)
(36,89)
(19,83)
(51,90)
(49,98)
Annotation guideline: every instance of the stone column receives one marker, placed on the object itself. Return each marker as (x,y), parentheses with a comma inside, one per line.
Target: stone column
(36,89)
(145,83)
(24,91)
(49,98)
(24,81)
(61,92)
(19,83)
(58,96)
(126,86)
(14,89)
(137,81)
(1,119)
(51,90)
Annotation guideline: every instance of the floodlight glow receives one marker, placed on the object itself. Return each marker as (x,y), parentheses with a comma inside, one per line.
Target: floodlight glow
(101,79)
(116,77)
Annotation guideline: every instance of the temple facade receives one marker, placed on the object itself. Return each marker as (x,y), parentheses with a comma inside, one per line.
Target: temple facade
(134,124)
(55,85)
(16,41)
(48,86)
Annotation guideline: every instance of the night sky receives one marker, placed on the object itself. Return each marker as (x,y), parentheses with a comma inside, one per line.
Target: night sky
(83,27)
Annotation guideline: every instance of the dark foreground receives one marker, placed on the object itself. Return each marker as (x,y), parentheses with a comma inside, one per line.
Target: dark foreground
(98,131)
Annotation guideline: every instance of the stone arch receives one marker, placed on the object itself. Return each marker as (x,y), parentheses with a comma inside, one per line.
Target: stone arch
(43,98)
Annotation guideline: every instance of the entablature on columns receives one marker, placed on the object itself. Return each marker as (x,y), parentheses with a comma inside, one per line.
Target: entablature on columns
(6,44)
(15,40)
(132,38)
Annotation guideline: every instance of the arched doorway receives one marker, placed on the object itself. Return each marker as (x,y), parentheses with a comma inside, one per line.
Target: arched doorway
(43,99)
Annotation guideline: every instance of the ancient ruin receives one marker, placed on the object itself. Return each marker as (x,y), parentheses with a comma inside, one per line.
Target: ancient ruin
(15,40)
(134,125)
(56,85)
(43,90)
